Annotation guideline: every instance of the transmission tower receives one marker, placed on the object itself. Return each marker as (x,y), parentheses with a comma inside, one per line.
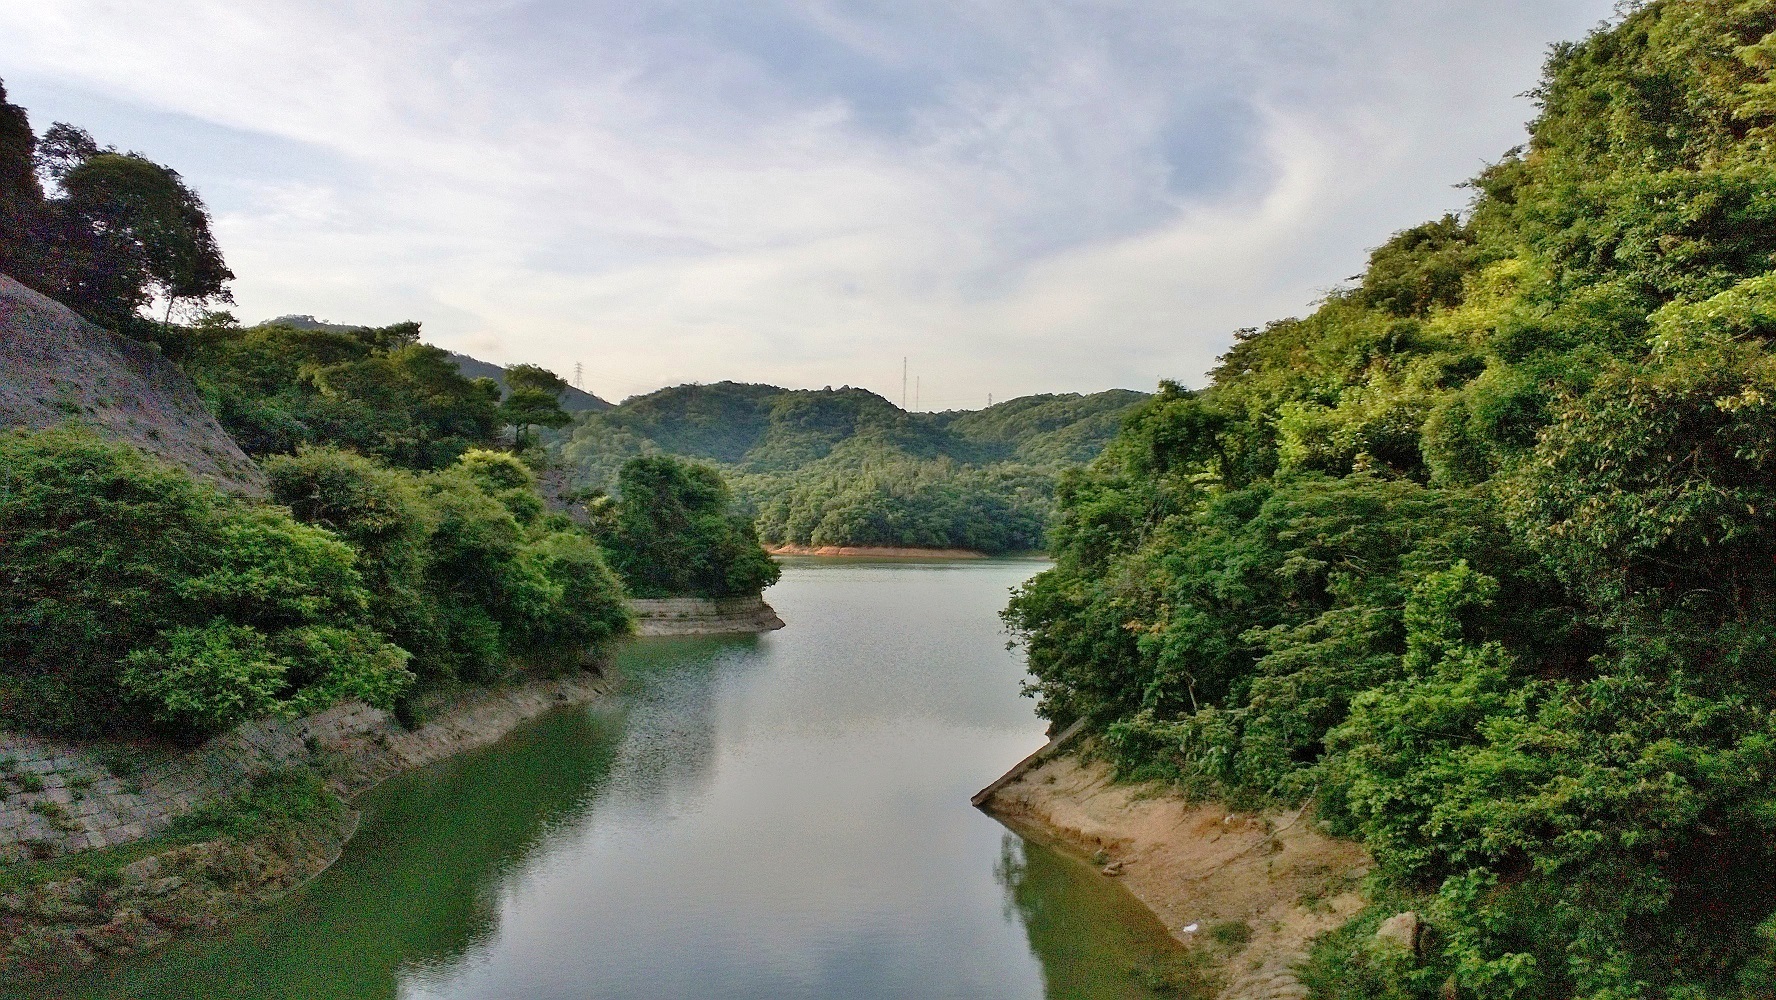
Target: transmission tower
(578,372)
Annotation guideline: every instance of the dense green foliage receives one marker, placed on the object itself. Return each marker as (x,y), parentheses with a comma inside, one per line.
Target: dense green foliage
(847,467)
(116,233)
(1478,555)
(672,531)
(466,570)
(135,595)
(139,598)
(376,391)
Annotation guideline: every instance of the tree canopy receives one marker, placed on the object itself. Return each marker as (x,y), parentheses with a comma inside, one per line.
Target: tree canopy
(116,232)
(672,531)
(1476,557)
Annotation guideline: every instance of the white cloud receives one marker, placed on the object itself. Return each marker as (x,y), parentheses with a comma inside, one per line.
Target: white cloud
(1022,196)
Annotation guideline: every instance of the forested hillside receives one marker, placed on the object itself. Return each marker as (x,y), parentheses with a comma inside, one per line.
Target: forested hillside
(847,467)
(573,399)
(1477,557)
(404,544)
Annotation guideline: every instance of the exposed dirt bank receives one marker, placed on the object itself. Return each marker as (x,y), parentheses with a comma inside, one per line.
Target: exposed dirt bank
(1203,870)
(76,910)
(873,552)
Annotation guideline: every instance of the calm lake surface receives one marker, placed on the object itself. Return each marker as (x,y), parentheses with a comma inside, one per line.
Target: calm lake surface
(773,817)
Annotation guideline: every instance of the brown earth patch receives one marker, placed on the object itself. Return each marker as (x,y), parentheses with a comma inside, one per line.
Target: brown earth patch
(1199,865)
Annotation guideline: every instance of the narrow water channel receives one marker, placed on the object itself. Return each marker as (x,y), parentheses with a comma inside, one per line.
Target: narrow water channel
(775,817)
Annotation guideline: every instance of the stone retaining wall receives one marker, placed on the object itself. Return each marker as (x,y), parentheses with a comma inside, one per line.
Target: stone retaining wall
(60,796)
(704,616)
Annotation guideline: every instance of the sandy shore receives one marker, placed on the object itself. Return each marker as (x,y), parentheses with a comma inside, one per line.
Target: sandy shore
(873,552)
(1198,865)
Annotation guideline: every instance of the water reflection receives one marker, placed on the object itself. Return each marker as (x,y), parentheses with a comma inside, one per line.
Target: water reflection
(669,710)
(420,887)
(775,817)
(1091,942)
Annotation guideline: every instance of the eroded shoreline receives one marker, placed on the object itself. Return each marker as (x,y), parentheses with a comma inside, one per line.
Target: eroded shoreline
(59,926)
(873,552)
(1270,881)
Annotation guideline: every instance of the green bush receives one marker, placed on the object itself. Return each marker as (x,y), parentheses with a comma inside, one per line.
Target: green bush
(1478,555)
(673,531)
(138,595)
(465,572)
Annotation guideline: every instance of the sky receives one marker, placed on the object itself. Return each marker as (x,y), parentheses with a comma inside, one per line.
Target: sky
(1016,196)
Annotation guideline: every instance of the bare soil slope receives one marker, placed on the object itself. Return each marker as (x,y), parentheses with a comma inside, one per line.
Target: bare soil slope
(1202,869)
(56,369)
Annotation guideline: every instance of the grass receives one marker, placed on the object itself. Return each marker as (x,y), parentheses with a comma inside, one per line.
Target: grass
(1319,898)
(56,814)
(1342,965)
(1230,933)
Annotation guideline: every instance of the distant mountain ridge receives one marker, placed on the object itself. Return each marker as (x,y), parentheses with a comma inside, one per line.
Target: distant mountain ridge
(846,467)
(573,400)
(766,428)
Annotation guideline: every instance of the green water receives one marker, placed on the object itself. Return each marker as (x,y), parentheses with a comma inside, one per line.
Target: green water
(775,817)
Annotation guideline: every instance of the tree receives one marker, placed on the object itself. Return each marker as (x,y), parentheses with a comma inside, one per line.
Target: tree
(123,231)
(21,197)
(137,594)
(673,532)
(534,401)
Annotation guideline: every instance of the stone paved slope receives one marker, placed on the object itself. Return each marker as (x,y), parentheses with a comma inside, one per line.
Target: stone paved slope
(56,369)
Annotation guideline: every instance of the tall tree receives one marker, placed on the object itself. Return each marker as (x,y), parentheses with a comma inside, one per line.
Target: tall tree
(21,197)
(534,401)
(122,231)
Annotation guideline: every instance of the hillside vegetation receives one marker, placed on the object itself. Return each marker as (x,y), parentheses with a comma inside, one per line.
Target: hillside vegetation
(847,467)
(1478,555)
(392,538)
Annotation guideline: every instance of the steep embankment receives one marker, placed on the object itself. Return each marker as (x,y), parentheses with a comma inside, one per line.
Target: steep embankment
(1266,883)
(56,369)
(154,881)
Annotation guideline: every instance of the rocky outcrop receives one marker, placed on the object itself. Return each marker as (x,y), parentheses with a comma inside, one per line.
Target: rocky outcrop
(57,369)
(704,616)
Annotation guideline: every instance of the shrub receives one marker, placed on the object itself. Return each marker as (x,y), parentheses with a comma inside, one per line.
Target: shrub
(673,531)
(139,595)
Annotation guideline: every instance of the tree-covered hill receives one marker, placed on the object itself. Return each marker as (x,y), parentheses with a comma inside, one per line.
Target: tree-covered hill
(573,399)
(394,538)
(1477,557)
(847,467)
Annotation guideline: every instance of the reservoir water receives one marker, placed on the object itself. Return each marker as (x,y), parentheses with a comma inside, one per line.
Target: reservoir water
(781,816)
